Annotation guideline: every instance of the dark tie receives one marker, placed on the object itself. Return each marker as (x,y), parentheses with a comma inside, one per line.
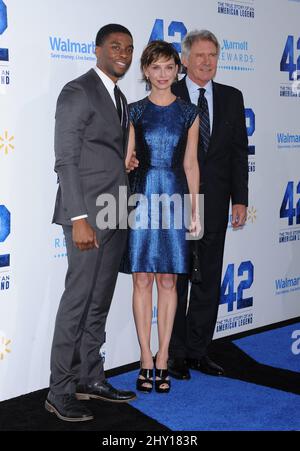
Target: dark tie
(118,101)
(122,111)
(204,120)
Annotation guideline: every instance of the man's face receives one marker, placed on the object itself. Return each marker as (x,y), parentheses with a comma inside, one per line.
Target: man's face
(114,55)
(202,62)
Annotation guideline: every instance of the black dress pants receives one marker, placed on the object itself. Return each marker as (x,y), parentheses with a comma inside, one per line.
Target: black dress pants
(195,320)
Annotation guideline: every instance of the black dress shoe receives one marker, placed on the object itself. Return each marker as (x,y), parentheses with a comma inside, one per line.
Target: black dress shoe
(205,365)
(178,369)
(67,408)
(103,390)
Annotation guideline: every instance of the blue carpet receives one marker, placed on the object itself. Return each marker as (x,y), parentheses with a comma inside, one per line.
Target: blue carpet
(208,403)
(217,404)
(273,348)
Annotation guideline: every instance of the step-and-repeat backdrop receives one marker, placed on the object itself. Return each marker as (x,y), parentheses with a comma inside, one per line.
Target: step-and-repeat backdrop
(43,45)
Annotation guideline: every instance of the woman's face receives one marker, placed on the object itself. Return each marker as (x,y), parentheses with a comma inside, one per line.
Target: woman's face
(161,73)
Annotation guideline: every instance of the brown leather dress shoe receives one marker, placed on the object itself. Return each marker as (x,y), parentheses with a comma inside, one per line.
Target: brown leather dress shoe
(67,408)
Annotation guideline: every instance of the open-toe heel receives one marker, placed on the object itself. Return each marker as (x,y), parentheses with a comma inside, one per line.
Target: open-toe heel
(162,379)
(144,381)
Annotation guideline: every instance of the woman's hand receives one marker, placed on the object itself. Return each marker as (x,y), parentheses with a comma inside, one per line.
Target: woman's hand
(132,163)
(195,226)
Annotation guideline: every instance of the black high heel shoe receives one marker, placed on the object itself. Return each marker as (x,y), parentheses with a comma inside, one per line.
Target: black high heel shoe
(144,382)
(164,379)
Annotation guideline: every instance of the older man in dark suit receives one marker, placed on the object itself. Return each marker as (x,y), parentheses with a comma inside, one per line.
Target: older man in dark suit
(223,158)
(91,135)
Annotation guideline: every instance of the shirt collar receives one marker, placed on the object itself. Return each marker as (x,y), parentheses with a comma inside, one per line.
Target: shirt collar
(193,87)
(108,83)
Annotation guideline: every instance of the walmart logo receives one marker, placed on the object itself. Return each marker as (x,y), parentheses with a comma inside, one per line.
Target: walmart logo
(251,215)
(286,140)
(286,285)
(71,50)
(6,142)
(4,345)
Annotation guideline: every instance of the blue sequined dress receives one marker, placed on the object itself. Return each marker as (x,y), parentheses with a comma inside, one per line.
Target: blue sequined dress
(160,245)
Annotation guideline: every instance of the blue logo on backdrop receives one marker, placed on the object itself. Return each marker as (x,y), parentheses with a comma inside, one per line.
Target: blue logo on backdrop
(295,348)
(236,299)
(290,213)
(236,56)
(286,285)
(60,247)
(290,63)
(4,259)
(244,9)
(158,32)
(3,27)
(250,124)
(66,49)
(288,141)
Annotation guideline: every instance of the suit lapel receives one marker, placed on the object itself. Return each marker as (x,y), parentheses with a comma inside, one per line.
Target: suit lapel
(106,101)
(216,117)
(111,112)
(181,90)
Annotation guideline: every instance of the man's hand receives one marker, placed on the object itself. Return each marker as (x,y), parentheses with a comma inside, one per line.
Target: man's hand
(132,163)
(239,215)
(84,236)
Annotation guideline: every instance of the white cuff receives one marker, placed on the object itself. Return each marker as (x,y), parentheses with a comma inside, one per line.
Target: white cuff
(79,217)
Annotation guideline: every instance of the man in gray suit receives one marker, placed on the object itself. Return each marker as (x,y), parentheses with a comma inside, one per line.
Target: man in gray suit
(91,134)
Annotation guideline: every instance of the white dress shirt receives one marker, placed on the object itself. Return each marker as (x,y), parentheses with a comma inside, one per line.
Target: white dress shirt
(193,90)
(108,83)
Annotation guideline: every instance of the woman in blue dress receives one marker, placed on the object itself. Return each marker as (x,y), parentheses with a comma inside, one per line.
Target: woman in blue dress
(164,133)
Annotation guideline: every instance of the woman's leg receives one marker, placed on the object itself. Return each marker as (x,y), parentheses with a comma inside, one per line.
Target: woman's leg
(167,304)
(142,311)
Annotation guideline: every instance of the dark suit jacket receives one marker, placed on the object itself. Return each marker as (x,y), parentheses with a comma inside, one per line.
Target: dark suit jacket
(89,148)
(224,169)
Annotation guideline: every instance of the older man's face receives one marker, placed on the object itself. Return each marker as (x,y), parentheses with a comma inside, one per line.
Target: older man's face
(202,62)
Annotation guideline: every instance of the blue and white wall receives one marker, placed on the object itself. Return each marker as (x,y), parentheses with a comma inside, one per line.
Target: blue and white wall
(45,44)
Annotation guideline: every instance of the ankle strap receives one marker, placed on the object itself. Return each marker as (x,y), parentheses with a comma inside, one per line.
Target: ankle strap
(161,373)
(146,372)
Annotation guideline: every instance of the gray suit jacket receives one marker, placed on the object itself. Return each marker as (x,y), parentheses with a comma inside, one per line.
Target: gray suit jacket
(89,148)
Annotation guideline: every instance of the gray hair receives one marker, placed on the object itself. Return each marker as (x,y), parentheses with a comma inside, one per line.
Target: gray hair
(198,35)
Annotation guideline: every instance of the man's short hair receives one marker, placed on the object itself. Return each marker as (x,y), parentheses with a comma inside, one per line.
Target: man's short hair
(105,31)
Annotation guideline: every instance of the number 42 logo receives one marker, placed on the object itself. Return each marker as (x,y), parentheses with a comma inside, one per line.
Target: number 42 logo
(174,27)
(228,294)
(287,209)
(288,64)
(3,27)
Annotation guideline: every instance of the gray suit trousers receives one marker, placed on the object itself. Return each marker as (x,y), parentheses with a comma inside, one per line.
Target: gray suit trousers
(80,322)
